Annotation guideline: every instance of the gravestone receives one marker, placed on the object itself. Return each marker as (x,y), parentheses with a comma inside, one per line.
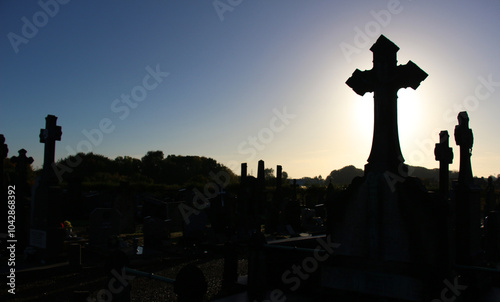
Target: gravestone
(46,208)
(389,228)
(491,199)
(22,163)
(242,206)
(384,80)
(124,203)
(104,227)
(274,209)
(156,223)
(4,150)
(444,154)
(467,198)
(23,193)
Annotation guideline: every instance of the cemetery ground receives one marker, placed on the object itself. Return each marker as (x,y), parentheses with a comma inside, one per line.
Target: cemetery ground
(57,280)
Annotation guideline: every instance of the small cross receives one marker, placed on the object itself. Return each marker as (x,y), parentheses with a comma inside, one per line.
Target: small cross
(385,79)
(4,150)
(49,136)
(465,139)
(22,162)
(443,154)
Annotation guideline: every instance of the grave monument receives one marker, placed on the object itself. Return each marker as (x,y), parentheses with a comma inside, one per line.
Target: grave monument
(390,229)
(46,209)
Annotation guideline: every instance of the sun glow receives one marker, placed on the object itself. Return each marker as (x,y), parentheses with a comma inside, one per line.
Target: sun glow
(409,112)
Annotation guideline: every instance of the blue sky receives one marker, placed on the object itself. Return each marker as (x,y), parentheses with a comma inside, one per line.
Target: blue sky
(247,80)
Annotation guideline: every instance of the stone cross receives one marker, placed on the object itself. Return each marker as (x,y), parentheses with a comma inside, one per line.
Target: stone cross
(279,173)
(444,154)
(49,136)
(4,150)
(243,173)
(384,80)
(22,162)
(465,139)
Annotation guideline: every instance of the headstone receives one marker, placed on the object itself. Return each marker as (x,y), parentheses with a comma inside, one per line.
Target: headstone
(104,227)
(279,174)
(4,150)
(491,199)
(49,136)
(22,163)
(492,227)
(190,284)
(467,198)
(444,154)
(124,203)
(243,173)
(46,205)
(23,193)
(274,210)
(465,139)
(389,227)
(156,223)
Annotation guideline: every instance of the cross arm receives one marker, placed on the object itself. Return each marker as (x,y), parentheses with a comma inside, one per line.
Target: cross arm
(361,81)
(410,75)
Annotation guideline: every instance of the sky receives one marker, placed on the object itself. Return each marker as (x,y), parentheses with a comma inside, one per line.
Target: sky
(241,80)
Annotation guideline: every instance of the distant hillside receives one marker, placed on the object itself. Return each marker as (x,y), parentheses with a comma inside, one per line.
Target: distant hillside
(152,168)
(344,176)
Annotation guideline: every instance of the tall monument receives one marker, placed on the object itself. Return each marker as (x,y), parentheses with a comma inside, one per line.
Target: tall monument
(389,228)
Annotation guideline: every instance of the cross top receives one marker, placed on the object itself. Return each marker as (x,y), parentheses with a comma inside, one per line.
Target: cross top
(443,152)
(52,132)
(22,162)
(49,136)
(384,80)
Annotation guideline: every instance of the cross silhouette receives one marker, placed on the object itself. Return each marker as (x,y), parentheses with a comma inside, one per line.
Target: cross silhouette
(465,139)
(384,80)
(444,154)
(49,136)
(22,162)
